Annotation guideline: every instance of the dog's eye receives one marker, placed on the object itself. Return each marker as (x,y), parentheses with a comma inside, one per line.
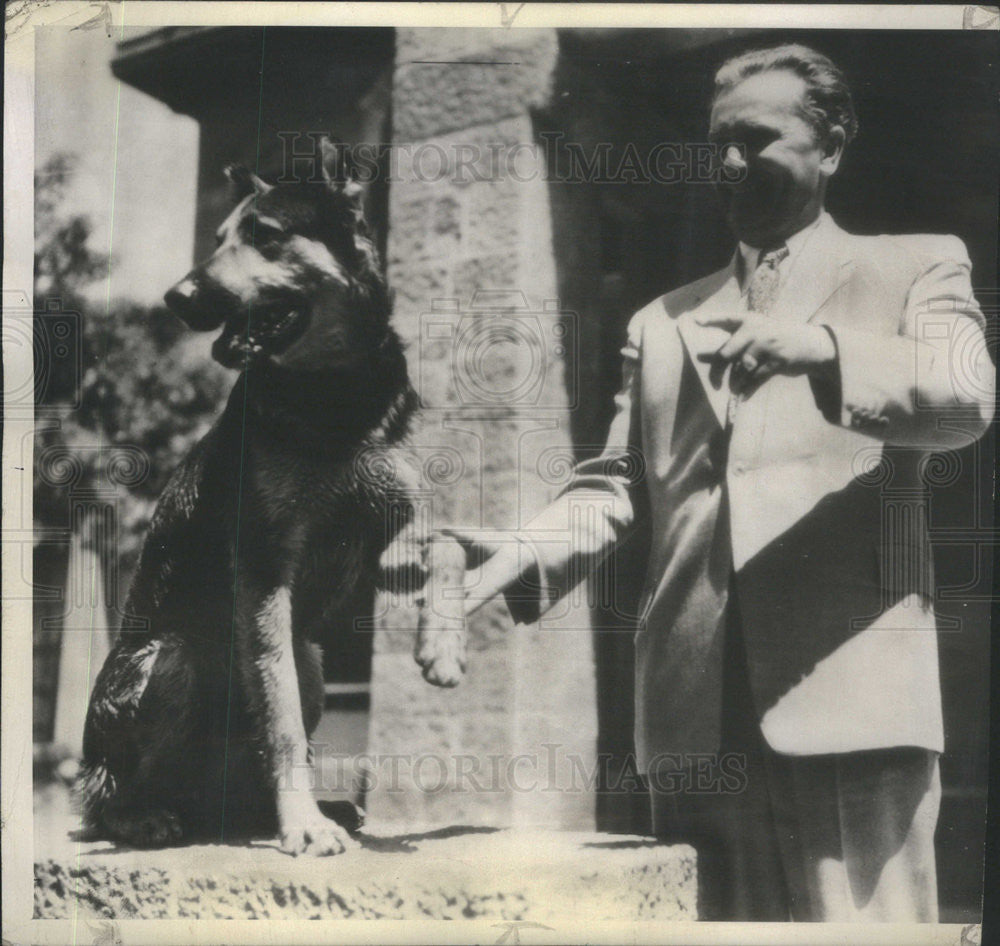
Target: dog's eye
(265,233)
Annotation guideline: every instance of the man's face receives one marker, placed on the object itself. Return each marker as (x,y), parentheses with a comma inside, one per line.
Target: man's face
(787,165)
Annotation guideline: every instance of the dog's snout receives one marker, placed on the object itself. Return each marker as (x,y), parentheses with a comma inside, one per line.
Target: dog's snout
(189,302)
(182,295)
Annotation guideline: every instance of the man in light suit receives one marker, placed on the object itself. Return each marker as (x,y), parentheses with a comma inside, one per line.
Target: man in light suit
(782,409)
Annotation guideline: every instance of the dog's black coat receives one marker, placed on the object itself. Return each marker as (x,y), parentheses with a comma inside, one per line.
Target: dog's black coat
(269,537)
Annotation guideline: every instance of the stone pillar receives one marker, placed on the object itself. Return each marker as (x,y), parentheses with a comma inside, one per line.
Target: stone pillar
(86,634)
(471,261)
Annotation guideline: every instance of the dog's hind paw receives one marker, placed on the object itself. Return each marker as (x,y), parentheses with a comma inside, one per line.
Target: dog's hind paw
(153,828)
(318,836)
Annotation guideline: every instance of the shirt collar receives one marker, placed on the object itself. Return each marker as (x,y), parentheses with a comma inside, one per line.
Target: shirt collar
(748,255)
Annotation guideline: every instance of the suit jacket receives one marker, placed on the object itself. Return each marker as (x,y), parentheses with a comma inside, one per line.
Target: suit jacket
(815,499)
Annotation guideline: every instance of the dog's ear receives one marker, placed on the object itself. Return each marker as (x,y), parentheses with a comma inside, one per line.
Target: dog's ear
(335,169)
(245,181)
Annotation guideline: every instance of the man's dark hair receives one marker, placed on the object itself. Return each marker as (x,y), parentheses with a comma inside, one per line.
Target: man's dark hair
(828,98)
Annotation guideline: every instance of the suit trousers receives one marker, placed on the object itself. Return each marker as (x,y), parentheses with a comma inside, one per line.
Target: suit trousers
(836,838)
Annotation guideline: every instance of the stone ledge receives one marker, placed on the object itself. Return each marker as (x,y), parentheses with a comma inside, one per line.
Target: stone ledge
(459,872)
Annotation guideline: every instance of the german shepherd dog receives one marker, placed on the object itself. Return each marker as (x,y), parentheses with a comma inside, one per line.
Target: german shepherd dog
(267,539)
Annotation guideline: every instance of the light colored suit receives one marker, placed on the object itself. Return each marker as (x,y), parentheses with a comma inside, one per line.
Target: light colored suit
(826,526)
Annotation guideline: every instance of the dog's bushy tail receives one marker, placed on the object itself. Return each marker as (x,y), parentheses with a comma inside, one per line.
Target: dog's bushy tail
(95,785)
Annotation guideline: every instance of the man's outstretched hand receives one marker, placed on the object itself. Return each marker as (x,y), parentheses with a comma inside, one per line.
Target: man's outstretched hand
(492,563)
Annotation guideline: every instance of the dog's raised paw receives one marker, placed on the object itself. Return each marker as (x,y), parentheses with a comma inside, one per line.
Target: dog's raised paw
(441,633)
(442,658)
(444,673)
(319,836)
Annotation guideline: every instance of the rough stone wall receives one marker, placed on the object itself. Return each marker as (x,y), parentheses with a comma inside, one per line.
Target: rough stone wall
(470,259)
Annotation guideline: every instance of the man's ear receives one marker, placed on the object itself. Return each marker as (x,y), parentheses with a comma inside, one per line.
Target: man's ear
(245,182)
(833,150)
(336,172)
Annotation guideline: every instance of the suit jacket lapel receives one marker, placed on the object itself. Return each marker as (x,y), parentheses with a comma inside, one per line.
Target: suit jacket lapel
(719,299)
(818,271)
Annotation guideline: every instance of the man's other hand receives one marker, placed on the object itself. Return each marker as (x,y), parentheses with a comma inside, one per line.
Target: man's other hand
(760,347)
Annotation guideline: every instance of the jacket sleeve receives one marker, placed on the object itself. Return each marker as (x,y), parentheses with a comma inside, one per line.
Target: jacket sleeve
(575,533)
(932,385)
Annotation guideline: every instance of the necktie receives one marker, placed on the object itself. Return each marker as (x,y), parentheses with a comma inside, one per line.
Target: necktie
(761,295)
(764,282)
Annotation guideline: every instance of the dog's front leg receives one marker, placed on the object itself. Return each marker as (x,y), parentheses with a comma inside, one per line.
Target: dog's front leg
(268,661)
(441,632)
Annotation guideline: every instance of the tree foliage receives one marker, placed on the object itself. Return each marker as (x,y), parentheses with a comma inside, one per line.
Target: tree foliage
(133,389)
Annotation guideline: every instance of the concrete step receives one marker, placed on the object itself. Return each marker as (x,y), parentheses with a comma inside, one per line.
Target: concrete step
(422,872)
(457,872)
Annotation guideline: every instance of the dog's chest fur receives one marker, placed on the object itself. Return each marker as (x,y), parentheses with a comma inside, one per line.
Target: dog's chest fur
(306,521)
